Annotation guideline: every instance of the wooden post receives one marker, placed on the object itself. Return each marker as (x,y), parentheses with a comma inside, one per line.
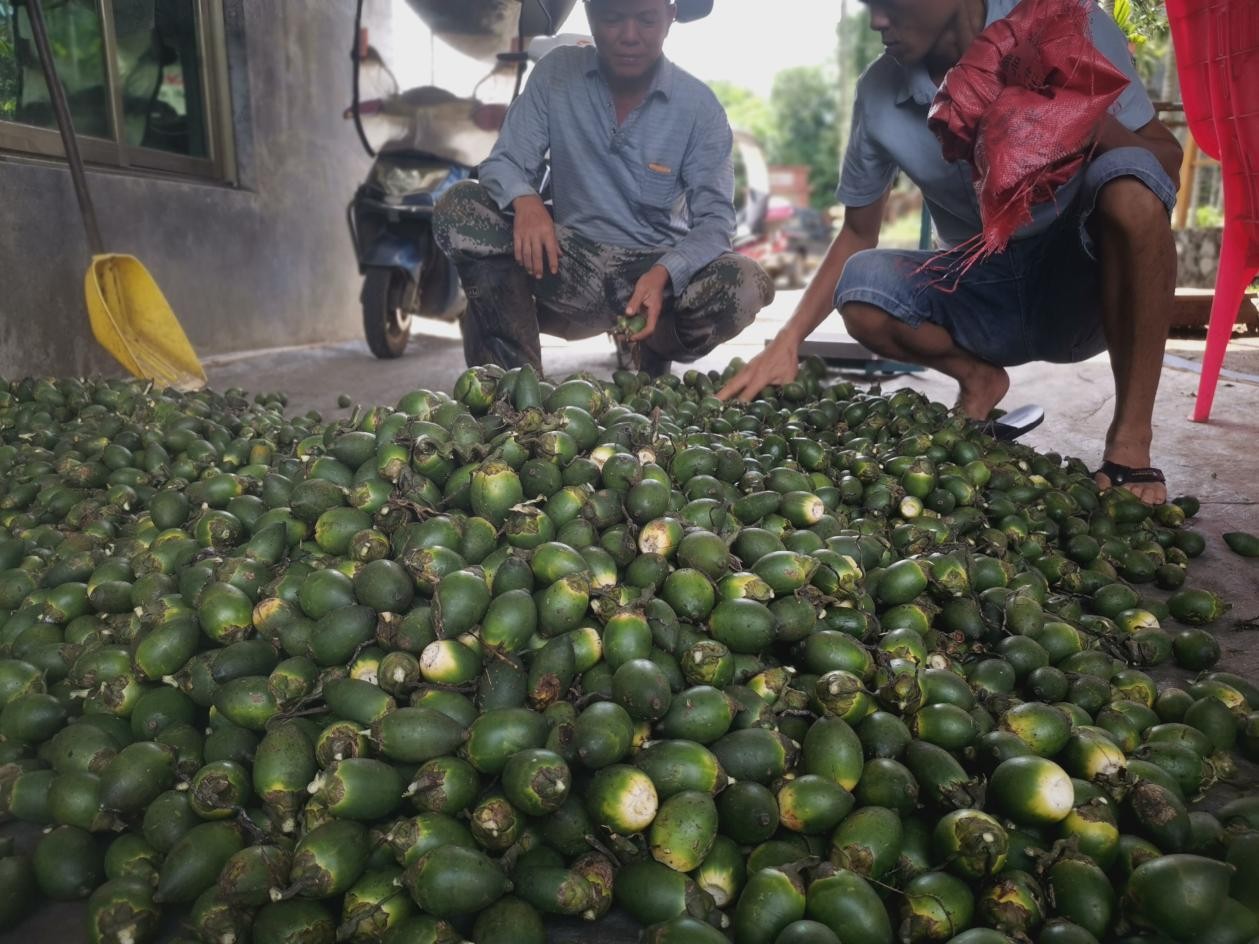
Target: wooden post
(1188,181)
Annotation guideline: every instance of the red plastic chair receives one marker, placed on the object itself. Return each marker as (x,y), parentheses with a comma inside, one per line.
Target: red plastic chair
(1217,56)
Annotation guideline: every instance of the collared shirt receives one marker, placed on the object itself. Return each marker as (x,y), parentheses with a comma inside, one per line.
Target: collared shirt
(662,180)
(890,133)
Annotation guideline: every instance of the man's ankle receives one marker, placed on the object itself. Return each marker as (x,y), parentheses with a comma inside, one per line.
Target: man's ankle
(1125,440)
(653,364)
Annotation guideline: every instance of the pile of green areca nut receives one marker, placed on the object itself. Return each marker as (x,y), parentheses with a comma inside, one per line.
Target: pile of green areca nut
(832,666)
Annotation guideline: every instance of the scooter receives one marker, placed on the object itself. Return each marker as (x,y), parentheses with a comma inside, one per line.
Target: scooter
(433,139)
(391,215)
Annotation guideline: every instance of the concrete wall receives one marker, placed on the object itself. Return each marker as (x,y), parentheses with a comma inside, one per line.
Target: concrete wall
(265,263)
(1198,251)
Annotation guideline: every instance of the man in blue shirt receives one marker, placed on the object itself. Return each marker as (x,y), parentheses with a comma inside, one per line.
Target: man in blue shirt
(1095,270)
(642,189)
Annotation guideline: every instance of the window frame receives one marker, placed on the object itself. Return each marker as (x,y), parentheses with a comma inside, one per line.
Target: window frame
(218,166)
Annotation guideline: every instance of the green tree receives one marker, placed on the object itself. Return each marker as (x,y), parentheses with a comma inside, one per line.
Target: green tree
(857,46)
(8,69)
(806,119)
(1142,20)
(805,107)
(747,110)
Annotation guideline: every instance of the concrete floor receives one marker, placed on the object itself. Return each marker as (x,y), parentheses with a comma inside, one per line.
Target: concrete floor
(1216,462)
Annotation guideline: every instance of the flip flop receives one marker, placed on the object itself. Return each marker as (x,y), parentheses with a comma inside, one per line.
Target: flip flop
(1010,426)
(1121,475)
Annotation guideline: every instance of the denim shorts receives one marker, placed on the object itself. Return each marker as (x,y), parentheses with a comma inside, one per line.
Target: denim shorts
(1039,300)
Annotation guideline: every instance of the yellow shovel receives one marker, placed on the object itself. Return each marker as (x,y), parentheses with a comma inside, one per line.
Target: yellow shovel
(130,316)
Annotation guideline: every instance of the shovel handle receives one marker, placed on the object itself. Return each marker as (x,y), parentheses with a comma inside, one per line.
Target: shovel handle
(66,126)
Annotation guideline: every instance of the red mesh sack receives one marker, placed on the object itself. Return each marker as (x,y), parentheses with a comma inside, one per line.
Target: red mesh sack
(1022,106)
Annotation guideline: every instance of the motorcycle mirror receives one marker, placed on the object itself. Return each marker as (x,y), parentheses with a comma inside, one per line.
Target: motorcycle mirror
(544,17)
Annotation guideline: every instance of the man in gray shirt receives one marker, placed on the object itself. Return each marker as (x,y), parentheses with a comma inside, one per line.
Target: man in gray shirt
(642,188)
(1095,270)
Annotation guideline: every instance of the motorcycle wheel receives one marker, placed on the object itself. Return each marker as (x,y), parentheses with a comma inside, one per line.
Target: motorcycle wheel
(385,322)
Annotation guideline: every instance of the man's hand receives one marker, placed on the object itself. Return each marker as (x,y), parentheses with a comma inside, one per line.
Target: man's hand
(648,298)
(777,364)
(537,249)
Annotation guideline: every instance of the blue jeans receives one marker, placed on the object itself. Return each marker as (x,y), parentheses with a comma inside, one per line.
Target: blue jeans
(1039,300)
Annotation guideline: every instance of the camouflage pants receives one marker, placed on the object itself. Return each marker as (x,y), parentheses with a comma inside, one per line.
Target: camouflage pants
(507,309)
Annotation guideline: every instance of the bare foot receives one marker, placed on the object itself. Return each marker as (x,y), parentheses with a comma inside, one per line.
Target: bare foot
(1135,456)
(982,391)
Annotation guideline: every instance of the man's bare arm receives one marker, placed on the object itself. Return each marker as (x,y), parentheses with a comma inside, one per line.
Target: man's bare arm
(779,362)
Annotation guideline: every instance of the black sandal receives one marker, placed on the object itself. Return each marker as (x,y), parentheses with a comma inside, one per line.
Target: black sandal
(1121,475)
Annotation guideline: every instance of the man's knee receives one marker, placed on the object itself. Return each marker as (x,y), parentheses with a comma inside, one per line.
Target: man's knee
(749,286)
(1127,205)
(866,324)
(467,221)
(870,270)
(866,271)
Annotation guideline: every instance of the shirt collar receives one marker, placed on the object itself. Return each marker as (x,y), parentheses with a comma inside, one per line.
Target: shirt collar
(664,79)
(662,83)
(915,84)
